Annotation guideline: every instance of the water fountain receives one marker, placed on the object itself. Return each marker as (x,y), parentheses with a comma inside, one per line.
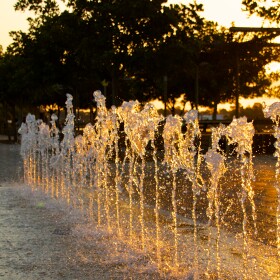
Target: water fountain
(147,179)
(215,161)
(273,112)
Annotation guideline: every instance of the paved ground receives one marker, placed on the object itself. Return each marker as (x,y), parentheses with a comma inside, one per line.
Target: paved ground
(39,239)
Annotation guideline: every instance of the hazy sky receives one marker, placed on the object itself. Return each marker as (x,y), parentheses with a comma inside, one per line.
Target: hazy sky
(222,11)
(225,12)
(10,21)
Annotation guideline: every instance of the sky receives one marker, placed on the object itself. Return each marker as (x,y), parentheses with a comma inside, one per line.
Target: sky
(225,12)
(10,21)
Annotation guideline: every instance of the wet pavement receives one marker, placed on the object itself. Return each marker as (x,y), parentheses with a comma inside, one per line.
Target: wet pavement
(10,163)
(41,239)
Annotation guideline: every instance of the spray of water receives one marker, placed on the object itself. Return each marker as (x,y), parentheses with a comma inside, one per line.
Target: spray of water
(114,173)
(240,133)
(215,161)
(273,112)
(191,159)
(172,137)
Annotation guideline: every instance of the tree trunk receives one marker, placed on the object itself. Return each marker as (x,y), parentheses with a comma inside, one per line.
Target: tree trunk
(115,85)
(173,106)
(237,89)
(215,111)
(14,123)
(91,114)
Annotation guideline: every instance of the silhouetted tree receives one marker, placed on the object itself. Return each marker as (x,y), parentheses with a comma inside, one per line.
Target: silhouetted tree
(134,46)
(269,11)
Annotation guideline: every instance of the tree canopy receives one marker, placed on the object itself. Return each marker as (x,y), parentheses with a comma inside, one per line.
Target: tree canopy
(269,10)
(130,50)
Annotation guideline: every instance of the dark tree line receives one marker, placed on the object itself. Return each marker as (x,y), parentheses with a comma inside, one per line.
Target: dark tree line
(139,49)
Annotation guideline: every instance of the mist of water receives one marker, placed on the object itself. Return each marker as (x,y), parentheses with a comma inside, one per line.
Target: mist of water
(146,178)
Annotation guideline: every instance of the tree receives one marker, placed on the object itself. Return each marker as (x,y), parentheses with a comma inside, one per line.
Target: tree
(132,46)
(126,30)
(269,11)
(173,59)
(107,39)
(14,86)
(42,8)
(54,51)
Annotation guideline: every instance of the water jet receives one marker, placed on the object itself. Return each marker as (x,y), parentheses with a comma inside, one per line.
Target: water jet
(191,212)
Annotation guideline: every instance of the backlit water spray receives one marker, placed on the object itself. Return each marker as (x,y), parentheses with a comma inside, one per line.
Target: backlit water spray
(240,133)
(146,179)
(273,112)
(215,161)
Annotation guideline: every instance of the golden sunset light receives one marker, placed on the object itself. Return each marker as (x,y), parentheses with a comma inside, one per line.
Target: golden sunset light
(140,139)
